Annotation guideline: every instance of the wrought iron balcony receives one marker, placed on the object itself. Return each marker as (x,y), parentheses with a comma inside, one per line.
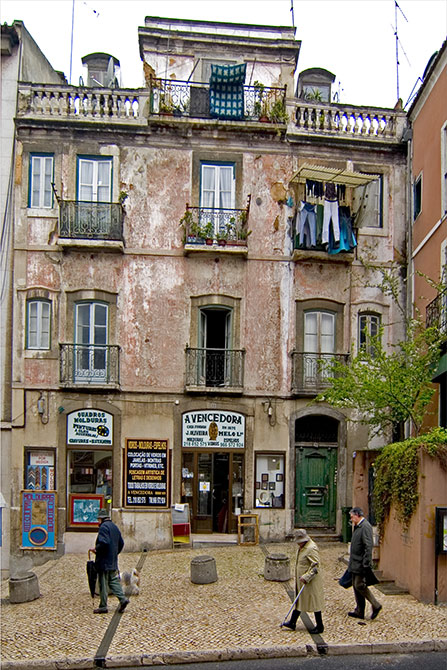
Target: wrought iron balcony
(436,312)
(311,372)
(89,365)
(91,220)
(211,225)
(215,369)
(170,97)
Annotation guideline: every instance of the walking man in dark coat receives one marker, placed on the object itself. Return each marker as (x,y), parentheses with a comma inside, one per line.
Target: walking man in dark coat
(360,564)
(109,544)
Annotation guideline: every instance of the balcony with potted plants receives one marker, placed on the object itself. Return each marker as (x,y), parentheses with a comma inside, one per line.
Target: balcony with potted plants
(210,229)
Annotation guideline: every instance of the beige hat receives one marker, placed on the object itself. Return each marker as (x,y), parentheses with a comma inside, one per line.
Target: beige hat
(301,535)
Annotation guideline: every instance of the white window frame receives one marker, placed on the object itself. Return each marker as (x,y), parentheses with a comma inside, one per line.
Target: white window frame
(94,185)
(444,170)
(41,178)
(368,318)
(38,334)
(217,191)
(91,352)
(368,200)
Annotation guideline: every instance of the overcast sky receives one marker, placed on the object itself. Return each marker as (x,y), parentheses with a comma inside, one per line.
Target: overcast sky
(353,39)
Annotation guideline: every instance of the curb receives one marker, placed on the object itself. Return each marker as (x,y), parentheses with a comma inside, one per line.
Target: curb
(249,653)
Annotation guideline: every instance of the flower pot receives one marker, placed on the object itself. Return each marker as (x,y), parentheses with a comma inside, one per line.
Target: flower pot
(222,243)
(209,241)
(264,119)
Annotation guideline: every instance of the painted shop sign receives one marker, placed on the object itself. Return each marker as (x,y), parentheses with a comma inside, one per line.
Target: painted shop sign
(146,473)
(213,429)
(90,426)
(39,512)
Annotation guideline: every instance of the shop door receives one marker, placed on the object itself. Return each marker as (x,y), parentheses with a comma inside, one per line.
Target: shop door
(315,486)
(212,484)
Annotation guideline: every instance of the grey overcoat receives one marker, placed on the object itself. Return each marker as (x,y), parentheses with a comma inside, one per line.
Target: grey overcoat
(309,568)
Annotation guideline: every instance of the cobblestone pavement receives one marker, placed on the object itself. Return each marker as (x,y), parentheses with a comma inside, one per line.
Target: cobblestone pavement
(173,620)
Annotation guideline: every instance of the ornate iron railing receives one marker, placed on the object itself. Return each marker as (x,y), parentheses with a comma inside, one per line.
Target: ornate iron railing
(215,368)
(89,364)
(183,98)
(436,312)
(311,372)
(91,220)
(216,224)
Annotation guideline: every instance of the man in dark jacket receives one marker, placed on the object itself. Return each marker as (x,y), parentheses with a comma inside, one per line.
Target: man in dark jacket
(360,564)
(109,543)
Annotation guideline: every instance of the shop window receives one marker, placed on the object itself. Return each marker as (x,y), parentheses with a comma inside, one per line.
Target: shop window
(369,328)
(38,324)
(89,486)
(41,177)
(269,480)
(40,469)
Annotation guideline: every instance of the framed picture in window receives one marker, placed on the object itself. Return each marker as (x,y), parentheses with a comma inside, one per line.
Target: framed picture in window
(83,510)
(270,472)
(279,476)
(265,477)
(272,486)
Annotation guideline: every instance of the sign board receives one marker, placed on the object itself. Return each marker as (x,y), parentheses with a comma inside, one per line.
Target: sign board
(39,522)
(146,473)
(90,426)
(181,525)
(213,429)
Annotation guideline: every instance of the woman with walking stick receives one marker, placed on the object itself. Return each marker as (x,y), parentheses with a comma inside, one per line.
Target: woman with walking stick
(307,574)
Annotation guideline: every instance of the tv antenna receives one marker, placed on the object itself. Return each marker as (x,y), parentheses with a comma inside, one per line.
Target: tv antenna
(293,15)
(396,7)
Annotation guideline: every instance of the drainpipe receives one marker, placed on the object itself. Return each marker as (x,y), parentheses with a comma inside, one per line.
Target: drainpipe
(408,137)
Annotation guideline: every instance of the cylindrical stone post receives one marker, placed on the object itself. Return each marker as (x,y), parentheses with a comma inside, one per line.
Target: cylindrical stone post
(203,570)
(277,568)
(23,589)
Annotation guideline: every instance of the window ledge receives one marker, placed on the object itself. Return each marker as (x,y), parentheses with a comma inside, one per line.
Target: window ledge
(104,245)
(234,249)
(303,255)
(215,390)
(43,212)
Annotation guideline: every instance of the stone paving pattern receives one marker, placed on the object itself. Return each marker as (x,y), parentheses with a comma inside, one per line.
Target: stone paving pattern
(171,616)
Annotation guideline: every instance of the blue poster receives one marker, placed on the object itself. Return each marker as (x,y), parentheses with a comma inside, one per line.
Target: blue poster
(39,520)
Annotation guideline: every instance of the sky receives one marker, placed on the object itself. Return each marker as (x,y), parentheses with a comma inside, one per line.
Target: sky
(353,39)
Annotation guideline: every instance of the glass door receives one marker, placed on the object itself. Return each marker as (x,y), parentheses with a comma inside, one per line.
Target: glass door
(204,515)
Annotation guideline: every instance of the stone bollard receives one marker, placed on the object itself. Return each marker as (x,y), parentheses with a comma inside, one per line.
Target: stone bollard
(23,589)
(203,570)
(277,568)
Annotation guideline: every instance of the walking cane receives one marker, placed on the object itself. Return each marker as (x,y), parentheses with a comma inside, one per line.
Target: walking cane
(293,605)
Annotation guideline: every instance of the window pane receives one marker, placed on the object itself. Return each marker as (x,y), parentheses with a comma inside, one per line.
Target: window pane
(310,332)
(226,187)
(38,335)
(35,186)
(327,322)
(45,326)
(208,186)
(47,184)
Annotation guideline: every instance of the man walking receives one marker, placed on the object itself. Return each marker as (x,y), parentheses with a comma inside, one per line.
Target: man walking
(109,543)
(360,564)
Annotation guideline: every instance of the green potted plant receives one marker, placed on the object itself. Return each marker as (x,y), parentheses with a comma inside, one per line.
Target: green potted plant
(208,232)
(192,232)
(278,112)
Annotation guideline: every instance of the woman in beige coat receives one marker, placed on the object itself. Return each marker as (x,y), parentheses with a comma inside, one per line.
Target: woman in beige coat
(308,572)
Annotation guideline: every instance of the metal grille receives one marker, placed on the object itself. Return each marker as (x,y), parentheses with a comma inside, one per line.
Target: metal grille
(86,364)
(311,371)
(215,368)
(91,220)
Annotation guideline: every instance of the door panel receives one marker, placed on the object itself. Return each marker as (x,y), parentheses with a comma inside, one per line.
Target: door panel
(315,486)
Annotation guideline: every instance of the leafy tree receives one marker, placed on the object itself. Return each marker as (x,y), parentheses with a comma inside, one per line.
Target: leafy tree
(388,387)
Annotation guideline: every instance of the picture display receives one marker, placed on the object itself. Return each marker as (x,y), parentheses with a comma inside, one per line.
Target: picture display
(269,480)
(146,472)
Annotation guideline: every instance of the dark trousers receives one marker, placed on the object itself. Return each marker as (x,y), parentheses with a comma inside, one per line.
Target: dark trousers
(109,580)
(362,593)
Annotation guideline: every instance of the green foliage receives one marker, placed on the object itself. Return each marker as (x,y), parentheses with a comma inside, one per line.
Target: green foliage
(388,386)
(396,475)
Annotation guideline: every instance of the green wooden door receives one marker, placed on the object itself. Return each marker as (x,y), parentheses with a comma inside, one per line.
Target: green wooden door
(315,486)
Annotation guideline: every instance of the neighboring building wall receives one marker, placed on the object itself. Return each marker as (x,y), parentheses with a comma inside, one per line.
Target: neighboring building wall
(428,149)
(21,60)
(416,568)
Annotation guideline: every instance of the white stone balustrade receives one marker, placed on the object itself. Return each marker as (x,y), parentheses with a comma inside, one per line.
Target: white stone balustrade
(89,104)
(345,120)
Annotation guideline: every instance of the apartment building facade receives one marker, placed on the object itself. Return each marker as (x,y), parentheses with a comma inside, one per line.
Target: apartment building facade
(189,257)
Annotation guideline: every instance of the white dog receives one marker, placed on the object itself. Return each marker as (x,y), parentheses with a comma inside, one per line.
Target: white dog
(131,582)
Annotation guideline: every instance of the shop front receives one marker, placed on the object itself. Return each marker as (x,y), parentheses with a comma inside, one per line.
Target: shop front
(212,483)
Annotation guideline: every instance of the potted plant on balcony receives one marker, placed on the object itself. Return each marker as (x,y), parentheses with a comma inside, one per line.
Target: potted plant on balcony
(221,239)
(261,106)
(278,112)
(192,231)
(208,232)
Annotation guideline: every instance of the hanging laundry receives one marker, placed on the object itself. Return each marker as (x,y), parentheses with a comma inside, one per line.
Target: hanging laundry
(307,225)
(347,241)
(330,213)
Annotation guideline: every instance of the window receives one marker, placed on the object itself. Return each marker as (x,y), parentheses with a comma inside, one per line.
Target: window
(217,198)
(269,480)
(369,327)
(94,179)
(417,197)
(38,324)
(40,470)
(319,346)
(41,177)
(91,338)
(368,204)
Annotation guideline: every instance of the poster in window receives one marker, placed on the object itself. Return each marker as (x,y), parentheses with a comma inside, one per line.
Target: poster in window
(84,509)
(146,473)
(39,519)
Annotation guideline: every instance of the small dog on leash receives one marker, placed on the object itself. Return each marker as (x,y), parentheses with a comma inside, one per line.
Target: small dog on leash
(131,582)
